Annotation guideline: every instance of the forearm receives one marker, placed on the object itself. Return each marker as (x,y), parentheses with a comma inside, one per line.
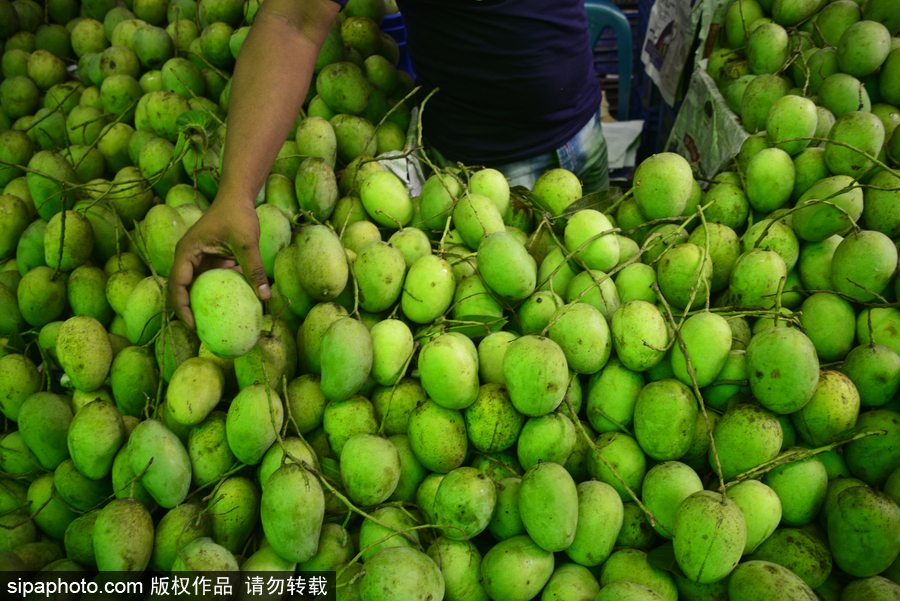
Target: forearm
(271,78)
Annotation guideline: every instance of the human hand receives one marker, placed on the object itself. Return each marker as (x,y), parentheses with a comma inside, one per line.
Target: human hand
(226,236)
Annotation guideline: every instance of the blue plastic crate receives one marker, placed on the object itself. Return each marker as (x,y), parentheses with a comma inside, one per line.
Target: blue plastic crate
(393,26)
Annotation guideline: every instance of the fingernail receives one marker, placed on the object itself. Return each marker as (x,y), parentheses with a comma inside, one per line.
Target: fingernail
(263,291)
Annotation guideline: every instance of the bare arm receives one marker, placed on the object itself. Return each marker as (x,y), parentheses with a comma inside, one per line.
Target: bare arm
(271,78)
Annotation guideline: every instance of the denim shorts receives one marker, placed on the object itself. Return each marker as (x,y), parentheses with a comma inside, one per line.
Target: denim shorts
(584,155)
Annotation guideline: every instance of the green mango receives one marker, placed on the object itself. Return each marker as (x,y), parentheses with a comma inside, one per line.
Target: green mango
(335,550)
(155,452)
(792,12)
(55,516)
(546,438)
(619,462)
(759,96)
(346,359)
(96,434)
(208,449)
(84,352)
(710,534)
(315,138)
(253,420)
(79,538)
(632,565)
(876,587)
(584,336)
(757,580)
(291,511)
(548,505)
(380,270)
(665,486)
(412,472)
(506,266)
(664,418)
(492,421)
(536,374)
(123,536)
(267,560)
(516,569)
(44,420)
(126,484)
(428,289)
(392,348)
(746,436)
(600,518)
(177,528)
(783,368)
(624,590)
(405,572)
(343,419)
(761,508)
(465,501)
(316,187)
(476,216)
(863,531)
(78,491)
(364,485)
(611,395)
(437,453)
(768,48)
(233,512)
(321,263)
(448,366)
(803,553)
(204,555)
(343,87)
(460,564)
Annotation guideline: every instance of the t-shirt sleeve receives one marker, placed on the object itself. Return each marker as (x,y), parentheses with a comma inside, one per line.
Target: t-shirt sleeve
(343,3)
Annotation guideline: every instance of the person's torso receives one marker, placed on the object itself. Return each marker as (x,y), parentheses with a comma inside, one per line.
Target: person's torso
(516,78)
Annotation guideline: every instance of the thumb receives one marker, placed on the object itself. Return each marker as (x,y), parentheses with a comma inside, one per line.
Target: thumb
(250,260)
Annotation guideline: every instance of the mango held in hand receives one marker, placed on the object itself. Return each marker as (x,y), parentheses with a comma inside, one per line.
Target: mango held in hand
(536,374)
(84,352)
(710,536)
(227,312)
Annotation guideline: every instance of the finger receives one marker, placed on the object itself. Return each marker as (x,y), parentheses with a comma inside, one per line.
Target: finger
(251,264)
(180,277)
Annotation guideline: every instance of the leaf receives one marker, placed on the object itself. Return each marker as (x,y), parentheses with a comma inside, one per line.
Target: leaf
(464,325)
(194,120)
(598,201)
(663,558)
(15,342)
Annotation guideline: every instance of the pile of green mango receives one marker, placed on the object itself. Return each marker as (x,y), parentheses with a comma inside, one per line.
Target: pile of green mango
(689,391)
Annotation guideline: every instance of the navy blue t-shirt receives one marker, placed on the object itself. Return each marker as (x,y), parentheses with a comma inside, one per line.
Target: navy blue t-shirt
(516,77)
